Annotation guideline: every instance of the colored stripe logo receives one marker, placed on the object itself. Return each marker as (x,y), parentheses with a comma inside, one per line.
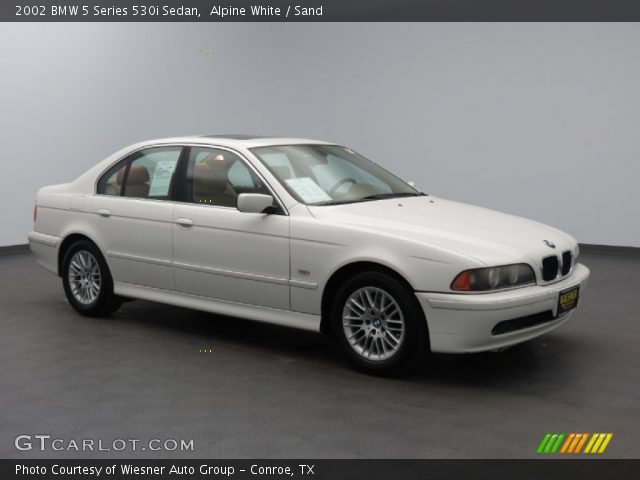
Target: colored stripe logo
(574,443)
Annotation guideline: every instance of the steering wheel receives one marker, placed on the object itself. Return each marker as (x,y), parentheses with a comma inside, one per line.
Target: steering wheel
(340,183)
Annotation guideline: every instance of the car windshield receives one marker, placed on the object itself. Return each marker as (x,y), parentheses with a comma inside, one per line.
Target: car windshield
(330,174)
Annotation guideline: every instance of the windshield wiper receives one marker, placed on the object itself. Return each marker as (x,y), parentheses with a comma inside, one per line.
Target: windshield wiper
(377,196)
(382,196)
(333,202)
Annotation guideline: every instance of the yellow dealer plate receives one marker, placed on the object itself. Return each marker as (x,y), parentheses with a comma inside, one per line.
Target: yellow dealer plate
(568,300)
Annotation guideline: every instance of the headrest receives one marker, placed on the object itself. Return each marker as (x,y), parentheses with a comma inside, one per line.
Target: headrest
(138,175)
(282,171)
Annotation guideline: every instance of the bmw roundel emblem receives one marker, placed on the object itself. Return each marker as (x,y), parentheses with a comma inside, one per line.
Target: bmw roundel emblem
(549,244)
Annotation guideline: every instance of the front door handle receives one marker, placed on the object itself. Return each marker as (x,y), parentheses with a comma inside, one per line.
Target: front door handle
(184,222)
(103,212)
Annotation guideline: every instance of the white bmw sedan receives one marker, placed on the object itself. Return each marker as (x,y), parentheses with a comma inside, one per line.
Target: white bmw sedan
(305,234)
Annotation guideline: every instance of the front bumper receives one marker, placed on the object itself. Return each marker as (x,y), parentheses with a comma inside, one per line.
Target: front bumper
(460,323)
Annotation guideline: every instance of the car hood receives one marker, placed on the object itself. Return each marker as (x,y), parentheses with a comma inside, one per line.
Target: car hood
(489,236)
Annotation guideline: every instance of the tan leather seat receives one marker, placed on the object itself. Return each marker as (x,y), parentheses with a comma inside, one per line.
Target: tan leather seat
(211,182)
(210,187)
(201,167)
(137,179)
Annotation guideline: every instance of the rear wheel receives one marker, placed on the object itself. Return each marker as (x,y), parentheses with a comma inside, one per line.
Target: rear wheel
(379,324)
(87,281)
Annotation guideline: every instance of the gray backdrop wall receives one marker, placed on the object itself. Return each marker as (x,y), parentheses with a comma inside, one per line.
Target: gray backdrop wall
(539,120)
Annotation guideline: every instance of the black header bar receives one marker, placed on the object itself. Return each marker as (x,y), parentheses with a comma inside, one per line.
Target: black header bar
(321,11)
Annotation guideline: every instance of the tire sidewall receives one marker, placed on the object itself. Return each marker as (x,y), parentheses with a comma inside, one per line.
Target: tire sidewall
(106,286)
(416,340)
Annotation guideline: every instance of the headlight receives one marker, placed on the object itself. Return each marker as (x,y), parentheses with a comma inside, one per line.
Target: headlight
(494,278)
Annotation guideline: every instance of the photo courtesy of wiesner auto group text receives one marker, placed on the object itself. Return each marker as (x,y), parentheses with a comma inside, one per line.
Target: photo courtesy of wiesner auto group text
(319,239)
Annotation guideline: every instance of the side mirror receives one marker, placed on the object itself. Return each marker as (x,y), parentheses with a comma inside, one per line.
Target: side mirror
(254,202)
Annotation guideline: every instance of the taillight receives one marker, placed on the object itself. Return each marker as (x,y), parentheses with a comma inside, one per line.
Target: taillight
(35,213)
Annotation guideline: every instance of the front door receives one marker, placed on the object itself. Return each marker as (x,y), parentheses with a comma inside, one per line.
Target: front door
(220,252)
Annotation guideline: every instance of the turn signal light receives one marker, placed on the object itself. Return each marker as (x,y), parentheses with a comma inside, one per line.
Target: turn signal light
(462,281)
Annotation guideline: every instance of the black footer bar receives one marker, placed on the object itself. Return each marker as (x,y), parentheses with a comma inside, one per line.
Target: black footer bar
(543,469)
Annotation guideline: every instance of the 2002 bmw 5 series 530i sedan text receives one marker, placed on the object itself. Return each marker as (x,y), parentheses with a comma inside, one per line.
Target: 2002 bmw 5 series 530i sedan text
(306,234)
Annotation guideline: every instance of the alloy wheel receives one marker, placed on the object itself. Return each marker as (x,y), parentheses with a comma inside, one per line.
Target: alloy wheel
(84,277)
(373,323)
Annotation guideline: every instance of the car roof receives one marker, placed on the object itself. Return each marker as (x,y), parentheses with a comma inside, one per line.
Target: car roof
(237,140)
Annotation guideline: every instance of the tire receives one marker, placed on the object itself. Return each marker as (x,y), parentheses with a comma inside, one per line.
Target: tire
(392,321)
(87,281)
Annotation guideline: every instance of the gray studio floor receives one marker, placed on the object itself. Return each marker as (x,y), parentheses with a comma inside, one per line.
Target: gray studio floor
(266,391)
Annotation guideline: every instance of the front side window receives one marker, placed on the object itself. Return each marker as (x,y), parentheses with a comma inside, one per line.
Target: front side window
(217,177)
(330,174)
(145,174)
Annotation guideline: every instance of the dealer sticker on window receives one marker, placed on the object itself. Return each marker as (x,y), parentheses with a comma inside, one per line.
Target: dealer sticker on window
(162,178)
(308,190)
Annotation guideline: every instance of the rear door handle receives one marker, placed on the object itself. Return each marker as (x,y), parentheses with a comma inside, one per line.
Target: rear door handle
(184,222)
(103,212)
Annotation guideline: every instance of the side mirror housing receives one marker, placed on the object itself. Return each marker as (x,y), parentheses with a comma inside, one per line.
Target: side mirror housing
(254,203)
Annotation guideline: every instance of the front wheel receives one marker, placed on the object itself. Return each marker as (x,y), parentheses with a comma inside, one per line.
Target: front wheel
(87,281)
(379,324)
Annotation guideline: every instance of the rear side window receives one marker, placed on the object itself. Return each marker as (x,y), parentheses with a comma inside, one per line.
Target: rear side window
(145,174)
(111,182)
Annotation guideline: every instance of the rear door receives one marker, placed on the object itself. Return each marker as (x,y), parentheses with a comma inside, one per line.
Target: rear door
(133,211)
